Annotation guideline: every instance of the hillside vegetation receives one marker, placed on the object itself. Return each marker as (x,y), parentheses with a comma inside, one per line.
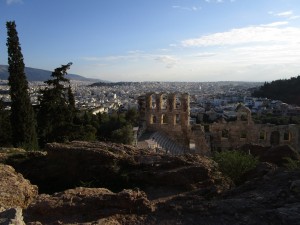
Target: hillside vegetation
(287,91)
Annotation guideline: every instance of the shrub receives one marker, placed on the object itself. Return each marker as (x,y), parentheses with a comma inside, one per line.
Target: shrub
(235,164)
(291,164)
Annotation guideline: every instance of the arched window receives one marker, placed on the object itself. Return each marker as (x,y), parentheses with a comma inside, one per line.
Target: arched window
(153,119)
(153,101)
(164,119)
(177,119)
(286,136)
(225,133)
(262,135)
(178,101)
(164,101)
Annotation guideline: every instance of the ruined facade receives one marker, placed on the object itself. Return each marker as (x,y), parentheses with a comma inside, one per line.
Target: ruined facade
(170,114)
(231,135)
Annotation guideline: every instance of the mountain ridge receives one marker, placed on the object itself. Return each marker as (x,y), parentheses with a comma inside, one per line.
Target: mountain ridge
(34,74)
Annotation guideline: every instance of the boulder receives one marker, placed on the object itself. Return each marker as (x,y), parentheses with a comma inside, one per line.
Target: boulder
(82,205)
(116,167)
(275,154)
(15,190)
(12,216)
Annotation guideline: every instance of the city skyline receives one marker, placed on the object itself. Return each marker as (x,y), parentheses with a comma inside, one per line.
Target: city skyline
(170,40)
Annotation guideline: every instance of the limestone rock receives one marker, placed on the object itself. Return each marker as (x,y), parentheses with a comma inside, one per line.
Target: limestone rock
(15,190)
(12,216)
(81,205)
(117,167)
(274,154)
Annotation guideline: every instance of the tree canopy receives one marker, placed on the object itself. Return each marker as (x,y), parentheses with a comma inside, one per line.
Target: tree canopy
(287,91)
(22,115)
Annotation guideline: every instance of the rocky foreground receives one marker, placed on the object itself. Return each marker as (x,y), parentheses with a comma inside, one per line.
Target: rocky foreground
(100,183)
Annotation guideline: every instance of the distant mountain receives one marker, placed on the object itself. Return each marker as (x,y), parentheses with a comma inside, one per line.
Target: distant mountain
(287,91)
(33,74)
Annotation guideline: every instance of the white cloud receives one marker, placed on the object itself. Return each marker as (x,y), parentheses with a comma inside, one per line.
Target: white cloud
(205,54)
(247,35)
(217,1)
(192,8)
(9,2)
(285,14)
(169,61)
(275,24)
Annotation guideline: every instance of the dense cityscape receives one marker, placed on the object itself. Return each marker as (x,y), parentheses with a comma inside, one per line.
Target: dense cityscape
(213,98)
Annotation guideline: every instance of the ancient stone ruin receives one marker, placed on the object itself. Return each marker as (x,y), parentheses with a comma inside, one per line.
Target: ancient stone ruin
(167,116)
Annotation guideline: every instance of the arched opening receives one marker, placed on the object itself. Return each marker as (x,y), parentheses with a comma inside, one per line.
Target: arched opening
(243,134)
(177,119)
(164,119)
(275,138)
(178,101)
(153,119)
(262,135)
(244,116)
(225,133)
(286,136)
(153,101)
(164,101)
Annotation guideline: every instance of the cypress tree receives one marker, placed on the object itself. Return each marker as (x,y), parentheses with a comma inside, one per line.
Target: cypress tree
(5,128)
(56,109)
(22,115)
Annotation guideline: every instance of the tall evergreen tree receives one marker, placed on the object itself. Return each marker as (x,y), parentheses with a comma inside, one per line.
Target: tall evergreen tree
(57,108)
(5,128)
(22,117)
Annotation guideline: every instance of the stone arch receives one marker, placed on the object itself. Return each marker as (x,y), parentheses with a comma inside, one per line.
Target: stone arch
(225,133)
(286,136)
(178,102)
(153,101)
(243,113)
(275,138)
(164,119)
(262,135)
(164,101)
(243,134)
(177,119)
(153,119)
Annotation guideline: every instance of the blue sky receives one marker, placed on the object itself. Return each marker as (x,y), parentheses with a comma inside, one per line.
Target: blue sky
(159,40)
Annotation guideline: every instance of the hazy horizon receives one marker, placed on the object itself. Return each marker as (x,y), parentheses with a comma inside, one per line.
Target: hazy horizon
(167,41)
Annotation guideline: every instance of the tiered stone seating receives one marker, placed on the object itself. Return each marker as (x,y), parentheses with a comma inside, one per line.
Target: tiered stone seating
(167,144)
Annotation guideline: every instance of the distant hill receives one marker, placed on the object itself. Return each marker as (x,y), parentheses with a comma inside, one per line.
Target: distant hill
(33,74)
(287,91)
(111,84)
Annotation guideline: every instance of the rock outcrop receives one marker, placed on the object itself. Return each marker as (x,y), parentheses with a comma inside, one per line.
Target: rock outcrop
(12,216)
(15,190)
(82,205)
(183,190)
(117,167)
(275,154)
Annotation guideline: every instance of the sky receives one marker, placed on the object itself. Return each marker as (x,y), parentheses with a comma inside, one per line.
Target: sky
(158,40)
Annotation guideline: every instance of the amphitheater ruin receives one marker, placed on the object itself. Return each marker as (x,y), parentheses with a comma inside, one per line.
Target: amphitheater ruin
(166,116)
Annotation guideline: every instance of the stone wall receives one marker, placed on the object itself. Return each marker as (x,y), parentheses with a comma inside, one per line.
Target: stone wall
(170,113)
(234,134)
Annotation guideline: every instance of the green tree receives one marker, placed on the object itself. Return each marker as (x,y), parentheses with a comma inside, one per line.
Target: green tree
(22,117)
(56,109)
(235,164)
(5,128)
(123,135)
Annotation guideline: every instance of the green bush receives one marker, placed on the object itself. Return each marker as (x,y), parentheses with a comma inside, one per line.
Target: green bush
(234,164)
(291,164)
